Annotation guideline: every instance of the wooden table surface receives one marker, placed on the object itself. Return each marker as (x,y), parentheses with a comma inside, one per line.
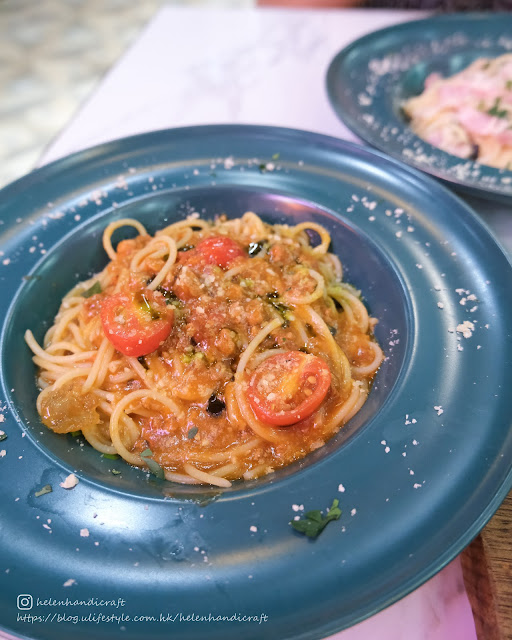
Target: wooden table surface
(487,567)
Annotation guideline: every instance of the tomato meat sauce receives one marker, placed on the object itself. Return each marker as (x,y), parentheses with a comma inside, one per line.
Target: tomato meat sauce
(228,283)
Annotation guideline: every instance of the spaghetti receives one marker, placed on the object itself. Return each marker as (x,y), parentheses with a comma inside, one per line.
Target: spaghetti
(212,351)
(470,113)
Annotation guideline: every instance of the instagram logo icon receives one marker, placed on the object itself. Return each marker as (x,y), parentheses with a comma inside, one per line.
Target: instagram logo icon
(25,602)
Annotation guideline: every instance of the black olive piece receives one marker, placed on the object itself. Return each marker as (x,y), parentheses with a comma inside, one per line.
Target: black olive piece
(215,405)
(255,247)
(142,360)
(338,306)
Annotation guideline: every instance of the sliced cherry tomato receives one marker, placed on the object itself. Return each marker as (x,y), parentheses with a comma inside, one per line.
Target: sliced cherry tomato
(288,387)
(219,250)
(136,323)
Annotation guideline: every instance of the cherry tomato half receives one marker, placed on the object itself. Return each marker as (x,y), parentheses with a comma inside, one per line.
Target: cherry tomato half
(136,323)
(288,387)
(219,250)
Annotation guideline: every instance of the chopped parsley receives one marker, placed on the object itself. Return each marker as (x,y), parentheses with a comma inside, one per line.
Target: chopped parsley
(145,306)
(76,434)
(263,167)
(153,466)
(192,433)
(93,290)
(508,85)
(110,456)
(46,489)
(276,156)
(115,472)
(282,309)
(167,293)
(192,355)
(170,297)
(3,436)
(496,111)
(313,523)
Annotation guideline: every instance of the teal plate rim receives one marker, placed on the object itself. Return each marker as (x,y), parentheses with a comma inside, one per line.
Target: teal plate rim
(416,482)
(368,80)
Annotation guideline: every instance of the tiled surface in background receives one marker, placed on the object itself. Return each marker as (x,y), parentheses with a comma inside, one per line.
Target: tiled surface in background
(52,55)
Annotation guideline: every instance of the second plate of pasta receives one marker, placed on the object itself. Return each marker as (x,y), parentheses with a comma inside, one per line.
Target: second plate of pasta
(458,130)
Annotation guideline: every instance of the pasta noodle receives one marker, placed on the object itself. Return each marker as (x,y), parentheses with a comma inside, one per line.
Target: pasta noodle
(470,113)
(210,352)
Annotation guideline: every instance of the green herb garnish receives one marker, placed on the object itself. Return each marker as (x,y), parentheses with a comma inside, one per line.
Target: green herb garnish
(313,523)
(508,85)
(115,472)
(282,310)
(46,489)
(91,291)
(279,306)
(496,111)
(187,247)
(177,304)
(152,465)
(145,305)
(263,167)
(276,156)
(110,456)
(155,468)
(3,436)
(170,297)
(192,433)
(167,293)
(76,434)
(187,358)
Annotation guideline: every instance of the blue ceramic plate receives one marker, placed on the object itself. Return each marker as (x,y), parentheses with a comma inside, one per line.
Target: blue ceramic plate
(418,472)
(369,80)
